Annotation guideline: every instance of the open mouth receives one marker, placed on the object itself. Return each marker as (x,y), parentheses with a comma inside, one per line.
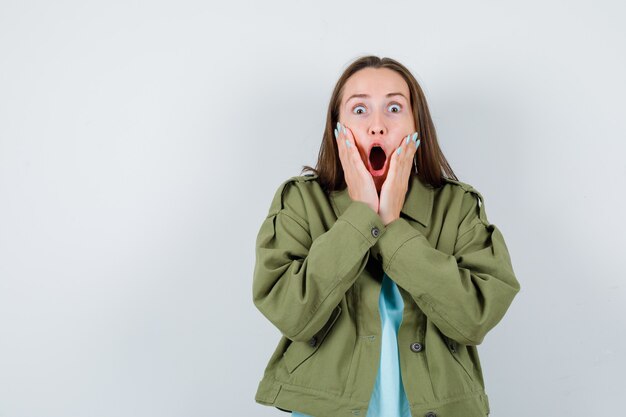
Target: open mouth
(377,158)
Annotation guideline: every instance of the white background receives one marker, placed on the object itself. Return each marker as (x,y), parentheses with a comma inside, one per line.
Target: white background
(141,144)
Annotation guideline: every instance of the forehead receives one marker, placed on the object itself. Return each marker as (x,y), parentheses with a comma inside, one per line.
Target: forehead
(376,82)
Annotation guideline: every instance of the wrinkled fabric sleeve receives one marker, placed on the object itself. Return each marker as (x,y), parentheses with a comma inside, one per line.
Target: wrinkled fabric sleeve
(465,294)
(298,281)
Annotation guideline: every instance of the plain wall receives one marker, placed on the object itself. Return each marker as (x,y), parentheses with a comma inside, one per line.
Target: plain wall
(141,144)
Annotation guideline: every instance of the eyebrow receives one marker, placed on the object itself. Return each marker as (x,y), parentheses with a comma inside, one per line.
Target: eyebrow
(367,96)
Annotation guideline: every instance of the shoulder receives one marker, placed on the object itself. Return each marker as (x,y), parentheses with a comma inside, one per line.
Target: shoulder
(472,199)
(292,193)
(465,187)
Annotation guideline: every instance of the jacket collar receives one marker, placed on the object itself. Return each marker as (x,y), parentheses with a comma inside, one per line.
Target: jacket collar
(418,202)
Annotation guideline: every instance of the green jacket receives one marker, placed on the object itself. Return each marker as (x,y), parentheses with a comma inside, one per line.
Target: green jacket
(317,278)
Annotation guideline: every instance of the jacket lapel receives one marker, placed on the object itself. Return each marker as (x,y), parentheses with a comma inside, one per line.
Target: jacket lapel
(418,202)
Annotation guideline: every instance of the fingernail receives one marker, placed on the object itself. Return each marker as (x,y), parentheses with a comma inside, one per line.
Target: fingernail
(417,144)
(348,143)
(345,132)
(414,136)
(399,150)
(407,138)
(338,126)
(336,133)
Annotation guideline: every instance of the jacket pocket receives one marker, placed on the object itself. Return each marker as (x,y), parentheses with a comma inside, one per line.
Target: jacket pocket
(298,352)
(453,346)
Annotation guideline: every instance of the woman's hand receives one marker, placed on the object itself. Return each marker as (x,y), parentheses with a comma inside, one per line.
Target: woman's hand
(360,183)
(396,184)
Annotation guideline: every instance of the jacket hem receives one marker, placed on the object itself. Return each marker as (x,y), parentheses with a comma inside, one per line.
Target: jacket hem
(289,397)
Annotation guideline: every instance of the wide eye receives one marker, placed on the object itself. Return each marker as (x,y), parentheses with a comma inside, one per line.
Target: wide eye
(356,107)
(397,106)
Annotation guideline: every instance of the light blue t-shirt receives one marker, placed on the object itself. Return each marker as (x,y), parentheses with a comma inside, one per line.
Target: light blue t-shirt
(388,397)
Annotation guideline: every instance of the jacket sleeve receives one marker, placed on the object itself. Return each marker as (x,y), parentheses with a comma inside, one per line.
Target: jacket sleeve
(465,294)
(298,281)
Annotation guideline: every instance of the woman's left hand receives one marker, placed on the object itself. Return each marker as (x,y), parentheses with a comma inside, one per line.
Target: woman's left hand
(396,184)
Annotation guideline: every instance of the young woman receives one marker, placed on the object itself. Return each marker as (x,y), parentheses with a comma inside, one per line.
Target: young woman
(381,269)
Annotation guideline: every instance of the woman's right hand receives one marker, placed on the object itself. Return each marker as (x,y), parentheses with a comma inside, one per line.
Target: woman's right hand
(360,183)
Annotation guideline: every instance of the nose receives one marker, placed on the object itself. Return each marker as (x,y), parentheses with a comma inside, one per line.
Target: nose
(377,127)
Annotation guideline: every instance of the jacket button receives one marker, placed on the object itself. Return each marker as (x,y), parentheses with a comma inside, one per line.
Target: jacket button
(430,414)
(416,347)
(375,231)
(313,341)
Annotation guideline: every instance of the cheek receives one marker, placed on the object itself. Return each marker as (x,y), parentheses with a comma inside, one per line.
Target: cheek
(408,123)
(356,129)
(411,125)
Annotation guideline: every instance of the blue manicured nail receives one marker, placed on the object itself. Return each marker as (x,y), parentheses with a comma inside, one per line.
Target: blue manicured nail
(414,136)
(348,143)
(338,126)
(417,144)
(345,132)
(407,138)
(336,133)
(399,150)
